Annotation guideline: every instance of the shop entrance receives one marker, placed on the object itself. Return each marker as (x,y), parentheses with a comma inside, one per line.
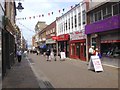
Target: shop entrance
(82,51)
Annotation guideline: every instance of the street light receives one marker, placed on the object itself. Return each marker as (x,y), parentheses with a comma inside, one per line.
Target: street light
(20,7)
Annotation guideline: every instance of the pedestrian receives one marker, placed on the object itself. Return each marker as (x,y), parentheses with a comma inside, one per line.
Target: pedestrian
(97,53)
(55,53)
(52,54)
(91,51)
(37,52)
(48,54)
(19,55)
(25,53)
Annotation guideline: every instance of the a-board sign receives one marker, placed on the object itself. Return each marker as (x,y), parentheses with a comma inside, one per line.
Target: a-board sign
(62,55)
(95,64)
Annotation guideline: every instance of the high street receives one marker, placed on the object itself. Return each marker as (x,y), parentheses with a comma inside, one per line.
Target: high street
(71,74)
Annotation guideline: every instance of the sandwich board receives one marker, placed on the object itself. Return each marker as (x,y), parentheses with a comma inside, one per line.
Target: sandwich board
(95,64)
(62,55)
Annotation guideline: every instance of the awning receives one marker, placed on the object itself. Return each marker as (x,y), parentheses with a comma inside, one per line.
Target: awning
(50,41)
(43,46)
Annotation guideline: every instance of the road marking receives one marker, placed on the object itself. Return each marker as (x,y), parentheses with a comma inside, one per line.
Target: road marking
(111,66)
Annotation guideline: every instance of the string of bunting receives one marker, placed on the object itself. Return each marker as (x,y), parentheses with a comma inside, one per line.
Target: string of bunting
(41,15)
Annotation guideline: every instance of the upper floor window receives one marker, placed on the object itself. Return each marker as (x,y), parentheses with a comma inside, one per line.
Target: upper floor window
(69,23)
(72,21)
(66,24)
(107,11)
(116,8)
(51,30)
(75,21)
(97,16)
(79,19)
(83,16)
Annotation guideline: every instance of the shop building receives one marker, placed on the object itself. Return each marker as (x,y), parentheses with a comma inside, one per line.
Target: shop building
(50,33)
(71,32)
(103,28)
(63,43)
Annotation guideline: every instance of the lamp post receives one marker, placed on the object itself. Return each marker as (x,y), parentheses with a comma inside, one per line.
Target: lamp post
(20,7)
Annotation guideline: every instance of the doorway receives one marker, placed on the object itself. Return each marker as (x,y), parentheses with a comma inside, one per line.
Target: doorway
(83,51)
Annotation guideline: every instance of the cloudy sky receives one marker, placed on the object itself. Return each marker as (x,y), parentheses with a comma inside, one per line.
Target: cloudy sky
(34,8)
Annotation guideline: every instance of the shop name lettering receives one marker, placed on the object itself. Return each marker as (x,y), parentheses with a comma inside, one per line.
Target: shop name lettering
(61,37)
(77,35)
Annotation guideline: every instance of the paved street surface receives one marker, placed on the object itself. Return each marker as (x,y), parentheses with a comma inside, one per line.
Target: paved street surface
(35,72)
(71,74)
(20,76)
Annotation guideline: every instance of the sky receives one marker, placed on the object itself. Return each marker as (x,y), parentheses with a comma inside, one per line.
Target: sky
(39,7)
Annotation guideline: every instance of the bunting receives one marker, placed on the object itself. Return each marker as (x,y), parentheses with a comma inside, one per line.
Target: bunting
(43,15)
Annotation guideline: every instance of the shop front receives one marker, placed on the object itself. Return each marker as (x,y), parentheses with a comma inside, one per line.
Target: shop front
(110,44)
(42,48)
(78,45)
(106,34)
(50,43)
(63,43)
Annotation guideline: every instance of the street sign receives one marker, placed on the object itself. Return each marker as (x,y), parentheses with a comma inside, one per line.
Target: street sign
(95,64)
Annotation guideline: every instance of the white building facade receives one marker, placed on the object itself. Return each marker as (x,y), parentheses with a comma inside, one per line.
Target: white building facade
(1,20)
(70,32)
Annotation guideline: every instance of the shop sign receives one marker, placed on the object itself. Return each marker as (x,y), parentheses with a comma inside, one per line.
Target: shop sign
(109,41)
(103,25)
(63,37)
(77,35)
(54,37)
(50,41)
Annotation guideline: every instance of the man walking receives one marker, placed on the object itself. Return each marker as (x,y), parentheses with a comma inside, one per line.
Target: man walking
(55,53)
(19,55)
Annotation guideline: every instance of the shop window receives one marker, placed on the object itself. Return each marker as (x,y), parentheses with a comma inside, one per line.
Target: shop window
(73,49)
(110,49)
(94,41)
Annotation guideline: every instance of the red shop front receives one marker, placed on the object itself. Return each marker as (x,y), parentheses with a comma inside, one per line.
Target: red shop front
(77,46)
(63,43)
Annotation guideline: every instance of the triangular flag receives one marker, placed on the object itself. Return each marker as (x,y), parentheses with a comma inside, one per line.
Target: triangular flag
(52,13)
(33,16)
(42,15)
(59,11)
(49,14)
(63,9)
